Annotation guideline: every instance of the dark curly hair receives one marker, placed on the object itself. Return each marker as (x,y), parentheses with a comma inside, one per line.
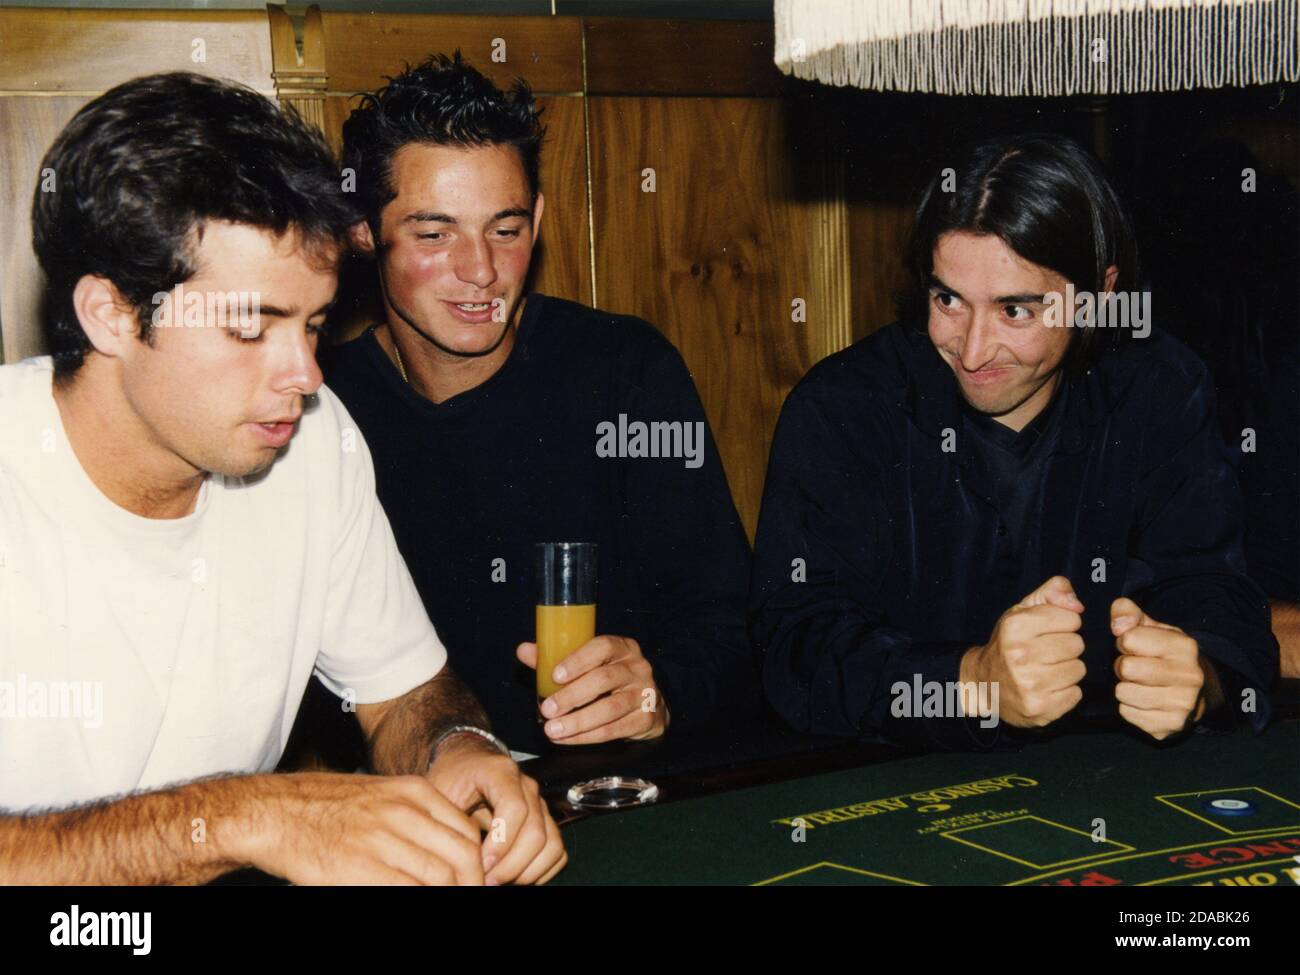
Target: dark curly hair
(139,169)
(442,102)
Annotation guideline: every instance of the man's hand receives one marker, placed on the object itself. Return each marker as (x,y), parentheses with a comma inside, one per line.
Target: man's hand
(1160,670)
(1033,655)
(325,828)
(1286,627)
(609,692)
(523,844)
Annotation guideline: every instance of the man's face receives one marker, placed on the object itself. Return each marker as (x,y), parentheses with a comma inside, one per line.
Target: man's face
(986,320)
(457,241)
(223,397)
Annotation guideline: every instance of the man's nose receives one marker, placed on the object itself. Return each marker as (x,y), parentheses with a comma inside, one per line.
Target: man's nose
(979,347)
(474,263)
(299,373)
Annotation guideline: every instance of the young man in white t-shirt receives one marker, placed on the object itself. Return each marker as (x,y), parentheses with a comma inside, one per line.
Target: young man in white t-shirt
(188,528)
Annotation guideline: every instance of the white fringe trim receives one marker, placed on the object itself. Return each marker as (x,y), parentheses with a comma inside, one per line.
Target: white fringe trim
(1039,47)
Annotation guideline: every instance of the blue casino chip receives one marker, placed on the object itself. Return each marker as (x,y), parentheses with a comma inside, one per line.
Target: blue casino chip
(1229,807)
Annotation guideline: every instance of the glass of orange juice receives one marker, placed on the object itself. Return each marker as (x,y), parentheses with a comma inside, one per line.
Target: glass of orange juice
(566,605)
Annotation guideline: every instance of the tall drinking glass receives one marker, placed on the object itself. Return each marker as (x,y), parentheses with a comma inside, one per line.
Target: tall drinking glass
(566,605)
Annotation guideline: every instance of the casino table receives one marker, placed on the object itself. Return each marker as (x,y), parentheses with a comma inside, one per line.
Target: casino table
(1092,809)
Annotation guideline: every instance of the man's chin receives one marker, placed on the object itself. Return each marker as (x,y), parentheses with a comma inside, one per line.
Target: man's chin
(989,405)
(477,340)
(246,467)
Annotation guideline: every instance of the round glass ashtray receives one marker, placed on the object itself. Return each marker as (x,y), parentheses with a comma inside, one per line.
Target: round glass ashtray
(612,792)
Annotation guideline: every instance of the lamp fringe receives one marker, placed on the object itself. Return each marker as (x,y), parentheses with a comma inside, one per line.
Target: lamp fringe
(1039,47)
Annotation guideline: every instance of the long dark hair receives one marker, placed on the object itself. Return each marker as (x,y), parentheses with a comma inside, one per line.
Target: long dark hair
(1049,201)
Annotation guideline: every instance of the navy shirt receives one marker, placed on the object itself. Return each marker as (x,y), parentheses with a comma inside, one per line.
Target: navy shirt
(486,474)
(911,551)
(1013,464)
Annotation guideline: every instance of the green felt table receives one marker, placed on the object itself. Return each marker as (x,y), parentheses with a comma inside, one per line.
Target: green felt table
(1089,809)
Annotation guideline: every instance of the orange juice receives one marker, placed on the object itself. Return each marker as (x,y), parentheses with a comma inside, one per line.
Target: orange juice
(560,631)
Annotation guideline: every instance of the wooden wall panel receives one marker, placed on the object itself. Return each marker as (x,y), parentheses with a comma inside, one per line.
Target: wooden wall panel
(715,256)
(27,127)
(877,238)
(298,59)
(361,48)
(640,56)
(562,262)
(45,52)
(337,109)
(45,49)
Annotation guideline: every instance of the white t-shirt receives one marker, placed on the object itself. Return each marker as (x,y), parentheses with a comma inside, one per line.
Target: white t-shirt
(138,652)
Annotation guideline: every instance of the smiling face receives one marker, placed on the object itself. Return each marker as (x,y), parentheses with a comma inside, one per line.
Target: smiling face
(224,398)
(986,310)
(457,242)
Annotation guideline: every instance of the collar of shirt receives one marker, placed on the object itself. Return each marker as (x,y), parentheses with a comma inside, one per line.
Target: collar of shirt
(934,402)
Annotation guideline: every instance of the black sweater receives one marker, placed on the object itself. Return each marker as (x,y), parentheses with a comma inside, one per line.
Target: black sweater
(909,561)
(488,473)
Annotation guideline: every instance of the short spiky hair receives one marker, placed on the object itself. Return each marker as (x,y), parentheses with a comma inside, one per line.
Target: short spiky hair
(443,102)
(143,166)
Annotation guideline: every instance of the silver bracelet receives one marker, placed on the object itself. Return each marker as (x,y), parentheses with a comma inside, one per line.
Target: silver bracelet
(467,729)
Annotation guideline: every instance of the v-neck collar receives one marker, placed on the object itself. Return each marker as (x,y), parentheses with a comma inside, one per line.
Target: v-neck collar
(462,401)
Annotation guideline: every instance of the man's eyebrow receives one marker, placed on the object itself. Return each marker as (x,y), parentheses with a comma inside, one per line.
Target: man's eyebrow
(276,311)
(428,216)
(514,212)
(936,283)
(1024,299)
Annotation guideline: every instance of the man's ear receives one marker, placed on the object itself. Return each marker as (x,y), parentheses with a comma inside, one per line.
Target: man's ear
(360,239)
(1112,275)
(108,319)
(538,207)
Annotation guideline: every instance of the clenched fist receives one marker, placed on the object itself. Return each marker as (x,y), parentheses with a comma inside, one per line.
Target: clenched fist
(1033,655)
(1162,676)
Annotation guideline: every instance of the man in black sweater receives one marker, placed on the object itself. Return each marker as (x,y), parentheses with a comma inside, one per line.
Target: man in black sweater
(981,519)
(498,420)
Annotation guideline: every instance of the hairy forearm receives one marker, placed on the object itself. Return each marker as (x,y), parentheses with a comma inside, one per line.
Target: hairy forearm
(401,743)
(187,835)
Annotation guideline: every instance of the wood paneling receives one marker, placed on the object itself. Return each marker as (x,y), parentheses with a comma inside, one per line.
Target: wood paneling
(52,50)
(681,57)
(877,237)
(361,48)
(45,52)
(716,255)
(300,76)
(337,110)
(562,261)
(27,127)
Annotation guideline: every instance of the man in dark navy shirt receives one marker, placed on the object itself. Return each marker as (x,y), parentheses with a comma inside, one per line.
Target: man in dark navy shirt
(498,420)
(985,518)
